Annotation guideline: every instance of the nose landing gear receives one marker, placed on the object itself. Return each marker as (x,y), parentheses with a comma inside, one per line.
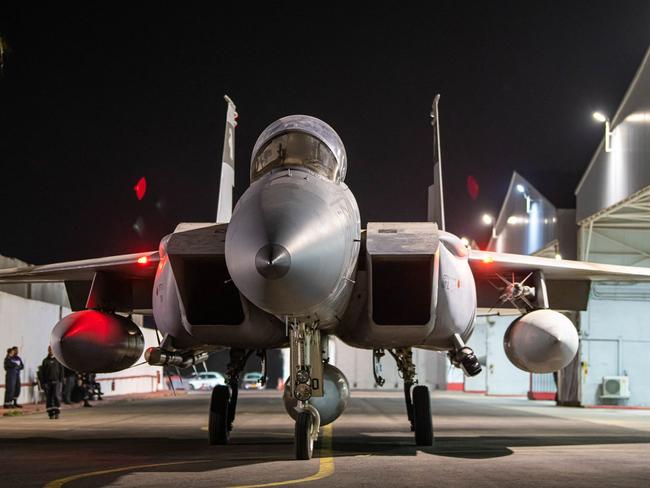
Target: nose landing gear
(306,382)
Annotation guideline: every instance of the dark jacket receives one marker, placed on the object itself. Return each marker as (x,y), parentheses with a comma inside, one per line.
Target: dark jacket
(18,362)
(51,370)
(10,365)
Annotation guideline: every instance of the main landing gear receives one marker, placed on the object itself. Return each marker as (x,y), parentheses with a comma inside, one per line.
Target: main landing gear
(306,381)
(418,401)
(417,397)
(223,404)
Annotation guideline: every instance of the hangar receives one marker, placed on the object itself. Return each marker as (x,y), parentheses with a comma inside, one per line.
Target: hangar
(610,224)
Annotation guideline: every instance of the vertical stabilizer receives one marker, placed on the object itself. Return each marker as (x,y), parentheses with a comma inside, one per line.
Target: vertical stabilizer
(436,201)
(227,182)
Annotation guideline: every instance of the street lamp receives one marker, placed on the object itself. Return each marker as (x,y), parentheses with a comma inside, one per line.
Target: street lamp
(608,133)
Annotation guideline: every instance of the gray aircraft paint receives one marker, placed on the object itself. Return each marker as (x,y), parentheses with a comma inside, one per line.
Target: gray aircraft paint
(306,226)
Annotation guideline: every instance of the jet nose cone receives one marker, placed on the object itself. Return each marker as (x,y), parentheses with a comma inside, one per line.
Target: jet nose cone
(272,261)
(286,245)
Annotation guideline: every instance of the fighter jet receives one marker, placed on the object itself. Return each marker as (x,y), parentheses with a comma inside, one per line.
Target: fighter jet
(291,266)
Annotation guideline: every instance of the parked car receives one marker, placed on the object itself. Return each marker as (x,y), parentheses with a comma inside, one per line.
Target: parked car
(251,381)
(206,381)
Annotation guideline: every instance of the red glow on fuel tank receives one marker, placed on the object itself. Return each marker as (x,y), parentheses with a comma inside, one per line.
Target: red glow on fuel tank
(472,187)
(140,188)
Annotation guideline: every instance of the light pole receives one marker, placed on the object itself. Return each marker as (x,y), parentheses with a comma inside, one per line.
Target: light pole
(608,133)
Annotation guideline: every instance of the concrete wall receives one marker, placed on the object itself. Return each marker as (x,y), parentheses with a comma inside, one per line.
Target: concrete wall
(615,337)
(27,324)
(499,375)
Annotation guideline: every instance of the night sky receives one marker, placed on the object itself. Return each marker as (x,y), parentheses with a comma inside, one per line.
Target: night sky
(91,100)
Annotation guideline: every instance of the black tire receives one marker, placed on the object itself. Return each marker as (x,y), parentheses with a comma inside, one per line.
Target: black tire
(422,416)
(303,439)
(218,423)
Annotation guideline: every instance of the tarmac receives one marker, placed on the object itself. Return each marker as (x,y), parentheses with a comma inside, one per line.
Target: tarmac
(480,441)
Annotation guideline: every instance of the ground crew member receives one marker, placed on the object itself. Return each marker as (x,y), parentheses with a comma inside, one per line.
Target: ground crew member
(9,379)
(51,377)
(19,367)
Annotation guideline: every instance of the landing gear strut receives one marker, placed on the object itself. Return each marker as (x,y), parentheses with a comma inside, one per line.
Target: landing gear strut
(417,398)
(306,382)
(223,404)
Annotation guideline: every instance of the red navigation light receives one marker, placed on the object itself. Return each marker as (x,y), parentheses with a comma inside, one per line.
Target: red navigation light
(488,259)
(472,187)
(140,188)
(143,260)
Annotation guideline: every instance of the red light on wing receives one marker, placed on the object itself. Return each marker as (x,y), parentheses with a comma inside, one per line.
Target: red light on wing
(140,188)
(488,259)
(143,260)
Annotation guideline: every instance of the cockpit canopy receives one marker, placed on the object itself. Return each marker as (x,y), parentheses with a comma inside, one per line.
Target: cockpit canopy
(300,141)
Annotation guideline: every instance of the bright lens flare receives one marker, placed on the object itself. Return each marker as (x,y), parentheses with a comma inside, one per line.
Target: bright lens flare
(143,260)
(487,219)
(488,259)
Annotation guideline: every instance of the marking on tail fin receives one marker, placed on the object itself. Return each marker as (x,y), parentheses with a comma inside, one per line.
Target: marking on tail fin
(227,181)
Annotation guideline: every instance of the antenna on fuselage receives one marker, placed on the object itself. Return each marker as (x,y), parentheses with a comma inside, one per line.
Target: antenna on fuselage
(227,181)
(436,202)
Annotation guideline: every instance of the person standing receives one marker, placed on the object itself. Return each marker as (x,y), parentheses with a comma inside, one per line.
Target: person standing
(19,367)
(51,377)
(10,379)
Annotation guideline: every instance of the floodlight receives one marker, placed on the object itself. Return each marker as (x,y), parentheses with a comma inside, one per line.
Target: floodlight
(599,117)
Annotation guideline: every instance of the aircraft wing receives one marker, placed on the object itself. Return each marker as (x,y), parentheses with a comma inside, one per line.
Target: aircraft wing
(488,263)
(140,265)
(567,282)
(123,283)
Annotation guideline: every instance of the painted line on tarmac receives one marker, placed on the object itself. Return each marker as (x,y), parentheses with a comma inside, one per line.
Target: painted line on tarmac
(325,468)
(62,481)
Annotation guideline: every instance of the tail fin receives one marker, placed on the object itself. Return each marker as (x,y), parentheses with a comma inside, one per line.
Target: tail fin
(227,182)
(436,203)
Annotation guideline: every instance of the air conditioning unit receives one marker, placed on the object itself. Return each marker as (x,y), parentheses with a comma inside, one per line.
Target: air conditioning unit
(615,387)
